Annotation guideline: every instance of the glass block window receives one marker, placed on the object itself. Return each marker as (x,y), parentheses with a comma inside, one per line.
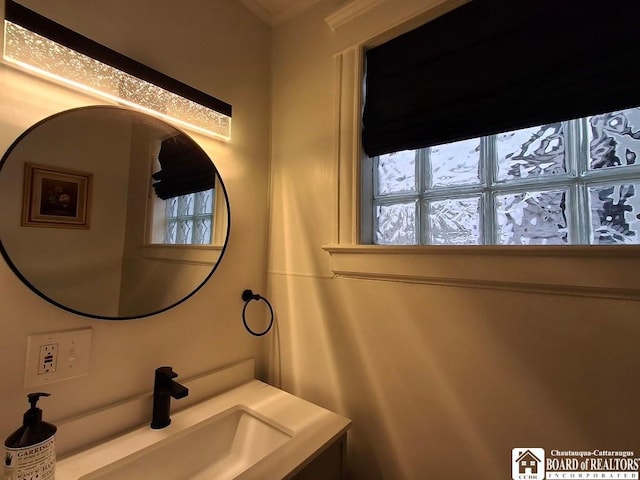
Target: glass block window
(189,219)
(574,182)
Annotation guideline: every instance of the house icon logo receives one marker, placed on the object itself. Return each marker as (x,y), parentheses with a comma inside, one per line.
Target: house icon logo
(527,464)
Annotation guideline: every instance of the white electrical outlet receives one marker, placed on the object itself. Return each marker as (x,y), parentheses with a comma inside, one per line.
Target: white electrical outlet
(56,356)
(48,359)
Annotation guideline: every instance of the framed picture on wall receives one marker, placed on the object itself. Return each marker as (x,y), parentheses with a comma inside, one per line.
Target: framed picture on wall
(56,197)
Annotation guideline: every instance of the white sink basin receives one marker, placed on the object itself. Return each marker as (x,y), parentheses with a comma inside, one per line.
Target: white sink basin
(251,432)
(221,448)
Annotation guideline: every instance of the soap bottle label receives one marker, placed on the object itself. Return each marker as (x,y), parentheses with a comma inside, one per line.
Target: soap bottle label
(35,461)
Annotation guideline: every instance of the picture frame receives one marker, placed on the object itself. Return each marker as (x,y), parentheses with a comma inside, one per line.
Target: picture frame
(56,197)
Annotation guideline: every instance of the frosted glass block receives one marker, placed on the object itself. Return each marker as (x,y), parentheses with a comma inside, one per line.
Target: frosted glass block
(455,163)
(531,152)
(189,218)
(614,139)
(202,232)
(454,221)
(39,54)
(532,218)
(183,231)
(615,213)
(203,202)
(171,207)
(396,224)
(170,233)
(396,172)
(185,205)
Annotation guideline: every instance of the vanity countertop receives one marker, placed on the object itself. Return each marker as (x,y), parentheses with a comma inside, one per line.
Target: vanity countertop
(311,427)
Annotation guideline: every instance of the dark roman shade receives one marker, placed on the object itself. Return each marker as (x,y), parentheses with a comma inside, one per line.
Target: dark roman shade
(497,65)
(184,169)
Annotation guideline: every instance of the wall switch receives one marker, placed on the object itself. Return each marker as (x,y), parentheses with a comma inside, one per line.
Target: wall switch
(56,356)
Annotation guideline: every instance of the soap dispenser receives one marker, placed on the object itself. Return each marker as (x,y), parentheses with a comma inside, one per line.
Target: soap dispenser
(30,451)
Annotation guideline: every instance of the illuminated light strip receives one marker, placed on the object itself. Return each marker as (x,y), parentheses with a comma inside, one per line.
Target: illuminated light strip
(38,54)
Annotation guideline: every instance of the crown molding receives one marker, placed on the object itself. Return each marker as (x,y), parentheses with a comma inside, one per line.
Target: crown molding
(261,12)
(298,7)
(274,19)
(349,11)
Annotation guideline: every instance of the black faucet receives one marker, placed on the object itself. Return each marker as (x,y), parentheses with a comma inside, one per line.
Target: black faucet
(163,389)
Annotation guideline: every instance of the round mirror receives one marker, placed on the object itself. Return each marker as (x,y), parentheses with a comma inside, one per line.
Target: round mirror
(110,213)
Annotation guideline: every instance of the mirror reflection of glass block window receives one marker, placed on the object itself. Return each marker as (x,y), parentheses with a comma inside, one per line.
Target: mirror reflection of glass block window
(574,182)
(188,219)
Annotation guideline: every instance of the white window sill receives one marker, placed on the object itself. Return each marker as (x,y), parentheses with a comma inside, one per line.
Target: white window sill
(591,271)
(189,254)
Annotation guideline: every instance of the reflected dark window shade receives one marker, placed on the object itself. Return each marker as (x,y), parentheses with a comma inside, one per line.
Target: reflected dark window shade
(497,65)
(184,169)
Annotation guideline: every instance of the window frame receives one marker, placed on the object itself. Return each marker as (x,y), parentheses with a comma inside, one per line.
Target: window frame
(575,270)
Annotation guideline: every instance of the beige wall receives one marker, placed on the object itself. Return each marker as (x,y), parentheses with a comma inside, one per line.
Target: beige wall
(223,49)
(59,260)
(441,381)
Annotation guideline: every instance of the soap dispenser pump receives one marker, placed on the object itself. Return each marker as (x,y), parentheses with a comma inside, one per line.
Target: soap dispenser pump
(30,451)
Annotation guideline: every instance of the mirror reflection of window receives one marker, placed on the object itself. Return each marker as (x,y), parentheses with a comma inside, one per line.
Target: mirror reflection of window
(188,219)
(183,211)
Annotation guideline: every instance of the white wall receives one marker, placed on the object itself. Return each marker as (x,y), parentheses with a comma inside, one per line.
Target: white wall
(441,381)
(223,49)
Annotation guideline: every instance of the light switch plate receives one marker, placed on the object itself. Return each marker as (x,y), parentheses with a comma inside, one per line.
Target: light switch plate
(57,356)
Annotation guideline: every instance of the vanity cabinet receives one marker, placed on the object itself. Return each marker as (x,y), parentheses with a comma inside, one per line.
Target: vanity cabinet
(331,464)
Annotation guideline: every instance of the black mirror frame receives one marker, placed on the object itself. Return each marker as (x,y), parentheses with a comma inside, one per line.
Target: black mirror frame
(24,280)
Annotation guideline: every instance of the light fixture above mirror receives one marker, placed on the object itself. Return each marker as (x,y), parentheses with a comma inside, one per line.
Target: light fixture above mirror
(39,45)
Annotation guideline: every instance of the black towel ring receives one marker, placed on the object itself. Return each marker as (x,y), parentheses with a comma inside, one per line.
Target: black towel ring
(247,296)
